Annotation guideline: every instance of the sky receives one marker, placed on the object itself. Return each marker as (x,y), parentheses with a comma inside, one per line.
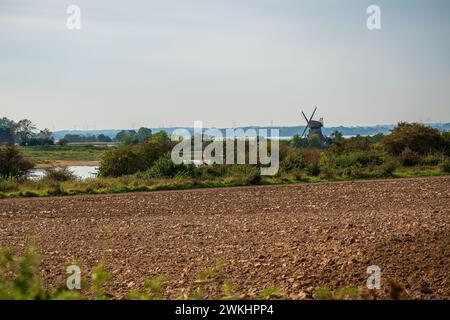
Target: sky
(224,62)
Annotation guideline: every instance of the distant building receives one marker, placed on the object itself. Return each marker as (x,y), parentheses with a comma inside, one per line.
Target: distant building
(6,137)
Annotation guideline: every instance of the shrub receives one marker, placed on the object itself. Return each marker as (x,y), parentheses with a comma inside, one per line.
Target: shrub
(351,145)
(313,169)
(25,282)
(8,185)
(297,174)
(13,164)
(120,161)
(433,159)
(165,168)
(251,174)
(211,171)
(409,158)
(417,137)
(445,165)
(293,160)
(311,155)
(127,160)
(353,159)
(388,168)
(59,175)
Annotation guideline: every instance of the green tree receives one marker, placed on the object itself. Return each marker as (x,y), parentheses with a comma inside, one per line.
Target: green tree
(298,142)
(24,131)
(103,138)
(143,133)
(129,159)
(120,161)
(415,136)
(7,123)
(124,133)
(13,164)
(337,135)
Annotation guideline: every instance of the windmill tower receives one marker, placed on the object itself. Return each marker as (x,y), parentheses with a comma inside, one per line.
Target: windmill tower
(314,126)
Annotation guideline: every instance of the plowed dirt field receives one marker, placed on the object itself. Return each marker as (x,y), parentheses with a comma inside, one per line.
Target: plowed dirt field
(296,237)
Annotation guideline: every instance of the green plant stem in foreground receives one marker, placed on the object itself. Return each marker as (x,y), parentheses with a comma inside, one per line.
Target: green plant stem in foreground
(20,280)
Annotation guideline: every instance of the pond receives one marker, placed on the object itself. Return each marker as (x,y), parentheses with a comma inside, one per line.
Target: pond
(82,172)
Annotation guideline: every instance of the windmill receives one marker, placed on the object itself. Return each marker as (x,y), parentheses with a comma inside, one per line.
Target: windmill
(314,126)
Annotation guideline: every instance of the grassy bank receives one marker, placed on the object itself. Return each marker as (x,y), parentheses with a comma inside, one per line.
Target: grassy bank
(136,183)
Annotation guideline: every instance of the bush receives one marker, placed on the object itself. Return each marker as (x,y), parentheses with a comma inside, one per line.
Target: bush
(311,155)
(13,164)
(417,137)
(409,158)
(251,174)
(353,159)
(126,160)
(59,175)
(353,144)
(313,169)
(8,185)
(120,161)
(432,159)
(388,168)
(445,166)
(165,168)
(293,160)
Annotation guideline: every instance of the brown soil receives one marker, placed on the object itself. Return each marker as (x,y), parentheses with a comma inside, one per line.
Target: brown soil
(294,237)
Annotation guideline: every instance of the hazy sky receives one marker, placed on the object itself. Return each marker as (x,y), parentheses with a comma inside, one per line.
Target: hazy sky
(248,62)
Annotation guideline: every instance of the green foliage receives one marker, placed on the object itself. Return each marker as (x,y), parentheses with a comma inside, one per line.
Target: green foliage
(271,293)
(409,158)
(131,137)
(7,123)
(165,168)
(353,144)
(24,131)
(143,134)
(8,185)
(293,160)
(84,138)
(312,141)
(322,294)
(19,278)
(13,164)
(376,138)
(356,159)
(147,166)
(63,142)
(432,159)
(347,293)
(130,159)
(445,166)
(298,142)
(353,159)
(152,291)
(120,161)
(100,276)
(388,167)
(336,136)
(417,137)
(59,174)
(250,174)
(229,291)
